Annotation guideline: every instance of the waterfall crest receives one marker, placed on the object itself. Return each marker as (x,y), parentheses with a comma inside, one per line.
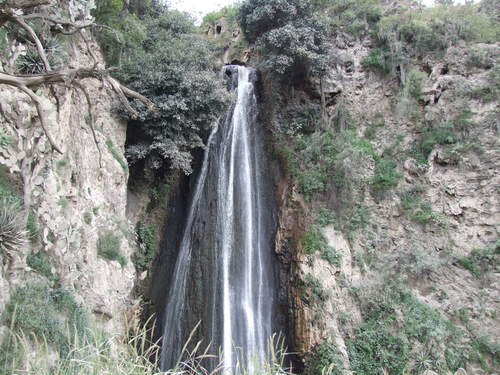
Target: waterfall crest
(224,275)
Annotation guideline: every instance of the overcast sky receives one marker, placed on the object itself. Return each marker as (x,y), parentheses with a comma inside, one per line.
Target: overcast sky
(201,7)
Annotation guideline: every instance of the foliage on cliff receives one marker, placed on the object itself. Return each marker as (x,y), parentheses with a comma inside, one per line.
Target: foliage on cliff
(287,32)
(176,69)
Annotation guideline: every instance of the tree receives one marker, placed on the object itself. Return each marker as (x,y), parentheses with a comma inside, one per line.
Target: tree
(23,15)
(293,41)
(178,70)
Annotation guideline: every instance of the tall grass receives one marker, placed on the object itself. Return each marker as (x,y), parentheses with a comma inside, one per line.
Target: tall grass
(137,354)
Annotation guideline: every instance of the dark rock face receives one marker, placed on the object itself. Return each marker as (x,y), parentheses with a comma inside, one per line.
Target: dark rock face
(225,272)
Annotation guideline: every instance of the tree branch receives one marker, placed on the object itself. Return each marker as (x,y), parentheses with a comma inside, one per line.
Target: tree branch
(41,115)
(20,21)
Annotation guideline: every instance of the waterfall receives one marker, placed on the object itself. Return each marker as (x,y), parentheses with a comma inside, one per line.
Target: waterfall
(224,273)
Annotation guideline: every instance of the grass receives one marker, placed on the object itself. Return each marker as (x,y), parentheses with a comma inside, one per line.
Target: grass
(117,155)
(87,217)
(135,354)
(12,226)
(385,175)
(454,136)
(108,247)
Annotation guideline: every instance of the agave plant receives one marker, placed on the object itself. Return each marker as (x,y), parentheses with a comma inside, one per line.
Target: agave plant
(12,226)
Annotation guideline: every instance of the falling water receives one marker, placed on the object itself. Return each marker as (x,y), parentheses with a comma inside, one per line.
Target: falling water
(223,274)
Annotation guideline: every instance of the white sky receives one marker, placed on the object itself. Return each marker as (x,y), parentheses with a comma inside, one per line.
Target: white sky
(199,8)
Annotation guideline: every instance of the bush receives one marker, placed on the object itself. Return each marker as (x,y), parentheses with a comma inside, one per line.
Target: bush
(108,247)
(183,84)
(313,291)
(395,325)
(385,175)
(292,39)
(40,263)
(46,313)
(419,210)
(433,29)
(314,241)
(324,359)
(376,60)
(355,17)
(146,235)
(12,227)
(481,261)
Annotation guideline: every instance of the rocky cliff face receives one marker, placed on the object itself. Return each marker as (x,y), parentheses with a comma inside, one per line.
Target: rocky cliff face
(75,197)
(441,214)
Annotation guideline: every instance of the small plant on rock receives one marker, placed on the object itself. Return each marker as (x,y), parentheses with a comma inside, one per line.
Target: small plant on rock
(108,247)
(12,227)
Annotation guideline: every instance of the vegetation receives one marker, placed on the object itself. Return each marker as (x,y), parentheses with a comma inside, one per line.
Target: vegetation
(314,241)
(313,291)
(400,334)
(117,155)
(12,227)
(453,136)
(481,261)
(146,235)
(419,210)
(50,315)
(355,17)
(287,32)
(324,359)
(108,247)
(40,263)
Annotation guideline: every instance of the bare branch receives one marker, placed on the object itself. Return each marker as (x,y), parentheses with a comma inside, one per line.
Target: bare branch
(92,118)
(20,21)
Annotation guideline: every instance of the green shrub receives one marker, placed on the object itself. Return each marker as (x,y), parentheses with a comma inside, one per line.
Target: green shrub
(12,227)
(8,189)
(87,217)
(108,247)
(324,359)
(5,140)
(117,155)
(385,175)
(314,291)
(146,235)
(481,261)
(371,129)
(355,17)
(376,61)
(49,314)
(293,40)
(40,263)
(32,226)
(314,241)
(418,209)
(483,349)
(433,29)
(229,13)
(395,325)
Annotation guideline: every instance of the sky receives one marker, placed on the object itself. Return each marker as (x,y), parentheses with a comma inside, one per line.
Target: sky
(199,8)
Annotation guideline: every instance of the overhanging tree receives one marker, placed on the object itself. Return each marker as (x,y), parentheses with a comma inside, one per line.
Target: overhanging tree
(34,21)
